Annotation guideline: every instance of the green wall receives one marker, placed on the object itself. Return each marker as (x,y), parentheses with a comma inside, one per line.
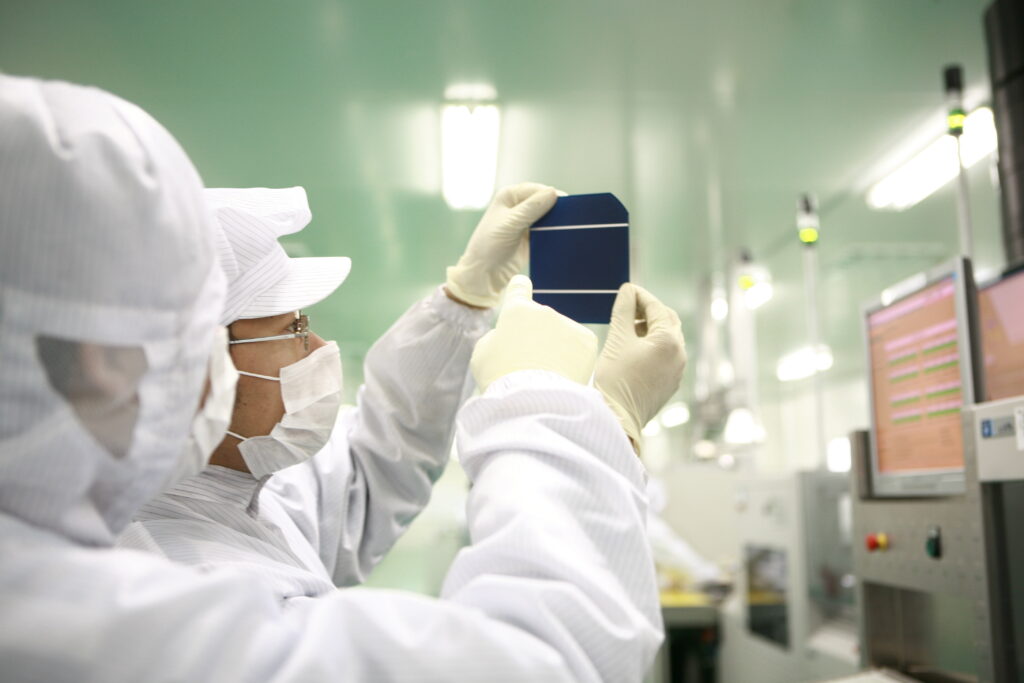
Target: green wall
(707,118)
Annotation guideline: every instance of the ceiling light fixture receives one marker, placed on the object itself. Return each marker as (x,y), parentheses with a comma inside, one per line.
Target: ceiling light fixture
(935,165)
(469,159)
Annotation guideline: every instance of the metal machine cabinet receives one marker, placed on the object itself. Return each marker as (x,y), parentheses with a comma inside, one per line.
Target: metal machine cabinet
(789,618)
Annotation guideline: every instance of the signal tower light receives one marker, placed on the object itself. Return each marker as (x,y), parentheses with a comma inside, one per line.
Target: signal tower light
(953,78)
(807,224)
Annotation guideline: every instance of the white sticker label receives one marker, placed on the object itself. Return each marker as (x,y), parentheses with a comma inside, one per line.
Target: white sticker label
(1018,419)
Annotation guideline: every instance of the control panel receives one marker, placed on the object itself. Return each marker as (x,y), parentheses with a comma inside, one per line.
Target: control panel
(924,573)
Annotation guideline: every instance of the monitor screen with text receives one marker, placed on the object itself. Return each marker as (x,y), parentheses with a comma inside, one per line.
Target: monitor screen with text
(1001,314)
(916,382)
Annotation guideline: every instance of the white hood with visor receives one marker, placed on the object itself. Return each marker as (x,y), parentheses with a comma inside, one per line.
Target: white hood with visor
(109,296)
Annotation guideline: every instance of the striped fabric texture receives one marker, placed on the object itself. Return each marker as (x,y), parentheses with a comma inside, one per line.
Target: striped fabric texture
(557,584)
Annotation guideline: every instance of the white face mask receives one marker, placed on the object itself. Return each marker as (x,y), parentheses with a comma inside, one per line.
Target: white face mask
(211,423)
(311,389)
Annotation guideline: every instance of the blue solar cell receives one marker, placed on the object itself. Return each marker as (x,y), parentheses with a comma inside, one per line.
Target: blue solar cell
(579,256)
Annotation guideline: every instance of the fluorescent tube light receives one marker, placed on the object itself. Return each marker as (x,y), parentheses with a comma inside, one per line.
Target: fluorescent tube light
(469,161)
(803,363)
(935,165)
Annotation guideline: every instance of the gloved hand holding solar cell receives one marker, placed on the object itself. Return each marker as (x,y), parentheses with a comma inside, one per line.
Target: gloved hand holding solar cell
(643,359)
(499,246)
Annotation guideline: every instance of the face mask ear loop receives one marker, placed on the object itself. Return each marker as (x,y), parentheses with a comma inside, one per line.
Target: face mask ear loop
(250,374)
(253,374)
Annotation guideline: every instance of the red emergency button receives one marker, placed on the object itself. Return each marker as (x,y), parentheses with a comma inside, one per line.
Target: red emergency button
(875,542)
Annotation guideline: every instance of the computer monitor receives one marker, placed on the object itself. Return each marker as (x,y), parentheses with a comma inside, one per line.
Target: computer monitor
(922,371)
(1001,314)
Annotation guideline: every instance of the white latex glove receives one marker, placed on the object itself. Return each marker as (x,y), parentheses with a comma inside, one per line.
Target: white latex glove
(529,336)
(500,244)
(638,372)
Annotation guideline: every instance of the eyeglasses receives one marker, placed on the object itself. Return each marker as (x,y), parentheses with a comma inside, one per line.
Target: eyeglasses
(301,331)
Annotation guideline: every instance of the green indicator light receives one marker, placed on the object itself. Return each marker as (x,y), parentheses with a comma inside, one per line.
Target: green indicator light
(746,282)
(955,120)
(808,235)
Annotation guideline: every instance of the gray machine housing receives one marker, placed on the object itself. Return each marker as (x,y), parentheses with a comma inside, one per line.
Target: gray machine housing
(947,618)
(801,517)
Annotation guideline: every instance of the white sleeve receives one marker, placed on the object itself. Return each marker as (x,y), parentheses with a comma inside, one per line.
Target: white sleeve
(86,615)
(556,521)
(558,584)
(359,494)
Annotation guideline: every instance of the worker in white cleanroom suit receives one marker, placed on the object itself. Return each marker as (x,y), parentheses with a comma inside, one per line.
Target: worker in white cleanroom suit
(306,494)
(109,299)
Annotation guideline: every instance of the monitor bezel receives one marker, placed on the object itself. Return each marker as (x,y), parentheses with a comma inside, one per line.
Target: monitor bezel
(942,482)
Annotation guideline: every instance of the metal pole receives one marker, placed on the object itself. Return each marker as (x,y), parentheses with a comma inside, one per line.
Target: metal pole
(963,205)
(807,225)
(814,333)
(953,77)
